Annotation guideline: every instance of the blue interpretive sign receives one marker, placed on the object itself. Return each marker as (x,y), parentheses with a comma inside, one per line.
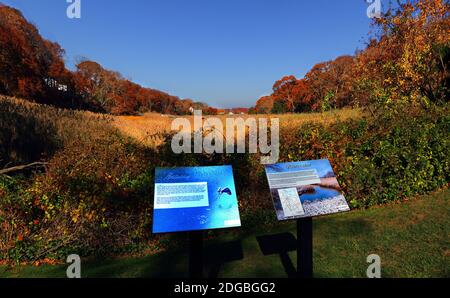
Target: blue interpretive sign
(195,198)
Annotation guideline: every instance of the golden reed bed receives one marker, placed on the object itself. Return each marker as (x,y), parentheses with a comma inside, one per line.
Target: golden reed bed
(149,128)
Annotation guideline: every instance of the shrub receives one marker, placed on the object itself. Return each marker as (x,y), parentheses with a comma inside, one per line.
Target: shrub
(396,155)
(93,197)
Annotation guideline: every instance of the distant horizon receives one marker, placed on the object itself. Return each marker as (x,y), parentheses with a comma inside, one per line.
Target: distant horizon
(231,51)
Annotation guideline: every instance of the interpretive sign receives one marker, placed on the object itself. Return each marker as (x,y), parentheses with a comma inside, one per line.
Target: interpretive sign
(305,189)
(195,198)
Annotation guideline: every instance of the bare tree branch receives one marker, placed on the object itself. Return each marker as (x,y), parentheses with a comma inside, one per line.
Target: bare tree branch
(22,167)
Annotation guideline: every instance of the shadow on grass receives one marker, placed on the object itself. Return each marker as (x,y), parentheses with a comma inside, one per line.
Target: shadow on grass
(173,264)
(217,255)
(280,244)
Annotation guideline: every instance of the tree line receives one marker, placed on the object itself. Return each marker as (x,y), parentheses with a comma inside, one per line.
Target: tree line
(406,59)
(33,68)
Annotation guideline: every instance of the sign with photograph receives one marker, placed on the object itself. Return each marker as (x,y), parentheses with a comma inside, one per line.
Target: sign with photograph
(195,198)
(305,189)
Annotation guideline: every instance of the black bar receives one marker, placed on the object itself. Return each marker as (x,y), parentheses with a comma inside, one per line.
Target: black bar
(129,287)
(304,248)
(196,254)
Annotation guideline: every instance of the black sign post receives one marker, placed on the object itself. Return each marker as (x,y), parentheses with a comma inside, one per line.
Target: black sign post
(304,248)
(196,254)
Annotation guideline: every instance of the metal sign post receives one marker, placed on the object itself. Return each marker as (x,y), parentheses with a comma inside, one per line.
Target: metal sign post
(196,254)
(304,248)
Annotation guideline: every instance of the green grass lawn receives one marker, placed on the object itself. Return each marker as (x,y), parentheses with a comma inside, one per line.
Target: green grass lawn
(412,239)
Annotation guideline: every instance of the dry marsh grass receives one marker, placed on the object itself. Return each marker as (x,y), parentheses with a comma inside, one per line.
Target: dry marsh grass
(150,127)
(30,132)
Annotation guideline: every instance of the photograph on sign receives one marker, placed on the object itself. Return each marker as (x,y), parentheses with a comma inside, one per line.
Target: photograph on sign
(305,189)
(194,198)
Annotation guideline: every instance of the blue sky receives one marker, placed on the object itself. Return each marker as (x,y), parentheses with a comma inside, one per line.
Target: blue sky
(227,53)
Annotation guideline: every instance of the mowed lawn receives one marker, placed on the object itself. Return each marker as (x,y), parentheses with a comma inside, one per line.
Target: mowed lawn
(412,238)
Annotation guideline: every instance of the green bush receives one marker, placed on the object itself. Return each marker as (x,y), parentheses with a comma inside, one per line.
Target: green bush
(379,160)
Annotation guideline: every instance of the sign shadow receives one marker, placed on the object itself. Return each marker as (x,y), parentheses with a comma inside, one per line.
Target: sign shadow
(280,244)
(219,254)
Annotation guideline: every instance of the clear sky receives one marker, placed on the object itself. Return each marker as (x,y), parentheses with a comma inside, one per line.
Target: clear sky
(226,53)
